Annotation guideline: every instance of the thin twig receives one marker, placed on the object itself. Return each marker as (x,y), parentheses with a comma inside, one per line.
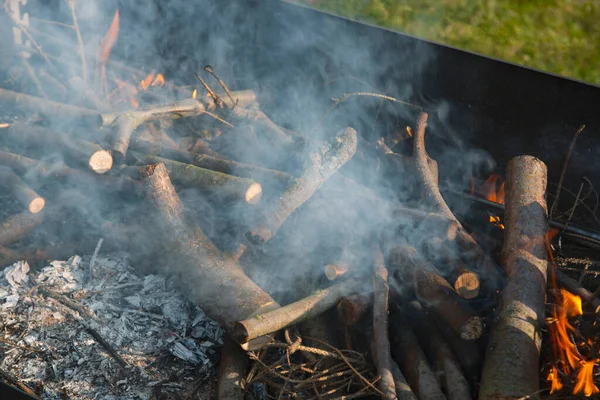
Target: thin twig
(564,170)
(218,119)
(346,96)
(93,260)
(79,41)
(217,100)
(574,206)
(210,70)
(34,78)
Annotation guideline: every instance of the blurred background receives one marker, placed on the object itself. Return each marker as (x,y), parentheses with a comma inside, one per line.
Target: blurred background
(560,37)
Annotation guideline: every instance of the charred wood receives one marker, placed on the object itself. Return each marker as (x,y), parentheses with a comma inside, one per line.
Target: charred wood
(511,367)
(352,308)
(589,300)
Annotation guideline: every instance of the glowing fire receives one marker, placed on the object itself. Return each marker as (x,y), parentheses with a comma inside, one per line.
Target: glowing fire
(566,354)
(103,53)
(194,93)
(151,80)
(409,131)
(491,193)
(495,220)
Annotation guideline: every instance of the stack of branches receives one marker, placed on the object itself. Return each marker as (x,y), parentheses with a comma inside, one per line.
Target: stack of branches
(411,289)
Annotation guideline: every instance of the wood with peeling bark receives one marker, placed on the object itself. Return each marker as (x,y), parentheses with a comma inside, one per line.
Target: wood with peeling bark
(511,367)
(381,342)
(23,193)
(435,292)
(320,166)
(213,281)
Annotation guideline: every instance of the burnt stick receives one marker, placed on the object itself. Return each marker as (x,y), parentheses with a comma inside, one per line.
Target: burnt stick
(213,281)
(218,183)
(321,165)
(24,194)
(380,341)
(511,366)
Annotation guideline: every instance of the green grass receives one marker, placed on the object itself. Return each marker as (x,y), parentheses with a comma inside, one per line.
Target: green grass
(562,37)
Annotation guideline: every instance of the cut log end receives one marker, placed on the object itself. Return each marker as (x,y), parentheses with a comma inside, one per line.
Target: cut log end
(36,205)
(254,193)
(334,271)
(472,329)
(467,285)
(101,162)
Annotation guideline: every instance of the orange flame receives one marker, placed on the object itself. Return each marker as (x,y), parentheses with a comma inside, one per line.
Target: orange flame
(495,220)
(567,305)
(158,81)
(109,40)
(409,131)
(554,379)
(127,92)
(194,93)
(489,187)
(145,84)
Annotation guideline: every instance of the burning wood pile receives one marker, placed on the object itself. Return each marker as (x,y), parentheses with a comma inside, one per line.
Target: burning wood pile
(325,284)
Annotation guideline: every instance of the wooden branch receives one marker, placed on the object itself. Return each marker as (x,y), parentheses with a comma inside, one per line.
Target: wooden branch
(453,382)
(8,257)
(465,282)
(232,371)
(39,169)
(589,300)
(487,266)
(127,122)
(214,282)
(301,310)
(222,185)
(435,292)
(352,308)
(334,271)
(85,95)
(214,162)
(265,126)
(403,390)
(321,165)
(381,342)
(93,155)
(24,194)
(466,351)
(511,367)
(51,109)
(412,361)
(18,226)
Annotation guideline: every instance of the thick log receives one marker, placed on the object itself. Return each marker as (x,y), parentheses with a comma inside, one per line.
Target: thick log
(381,342)
(465,282)
(453,382)
(51,109)
(214,282)
(352,308)
(403,390)
(93,155)
(335,271)
(589,300)
(511,366)
(412,361)
(435,292)
(222,185)
(301,310)
(321,165)
(39,169)
(466,351)
(24,194)
(232,371)
(127,122)
(158,147)
(213,162)
(18,226)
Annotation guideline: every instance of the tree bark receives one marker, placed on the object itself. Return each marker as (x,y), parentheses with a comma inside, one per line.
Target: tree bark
(232,371)
(511,366)
(321,165)
(24,194)
(214,282)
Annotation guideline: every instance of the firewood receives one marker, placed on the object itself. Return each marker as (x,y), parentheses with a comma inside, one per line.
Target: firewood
(93,155)
(232,370)
(32,201)
(412,361)
(9,257)
(18,226)
(352,308)
(153,146)
(403,390)
(127,122)
(321,165)
(465,282)
(466,351)
(334,271)
(589,300)
(301,310)
(264,125)
(443,361)
(435,292)
(486,265)
(39,169)
(511,366)
(223,185)
(51,109)
(381,342)
(404,164)
(214,282)
(86,96)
